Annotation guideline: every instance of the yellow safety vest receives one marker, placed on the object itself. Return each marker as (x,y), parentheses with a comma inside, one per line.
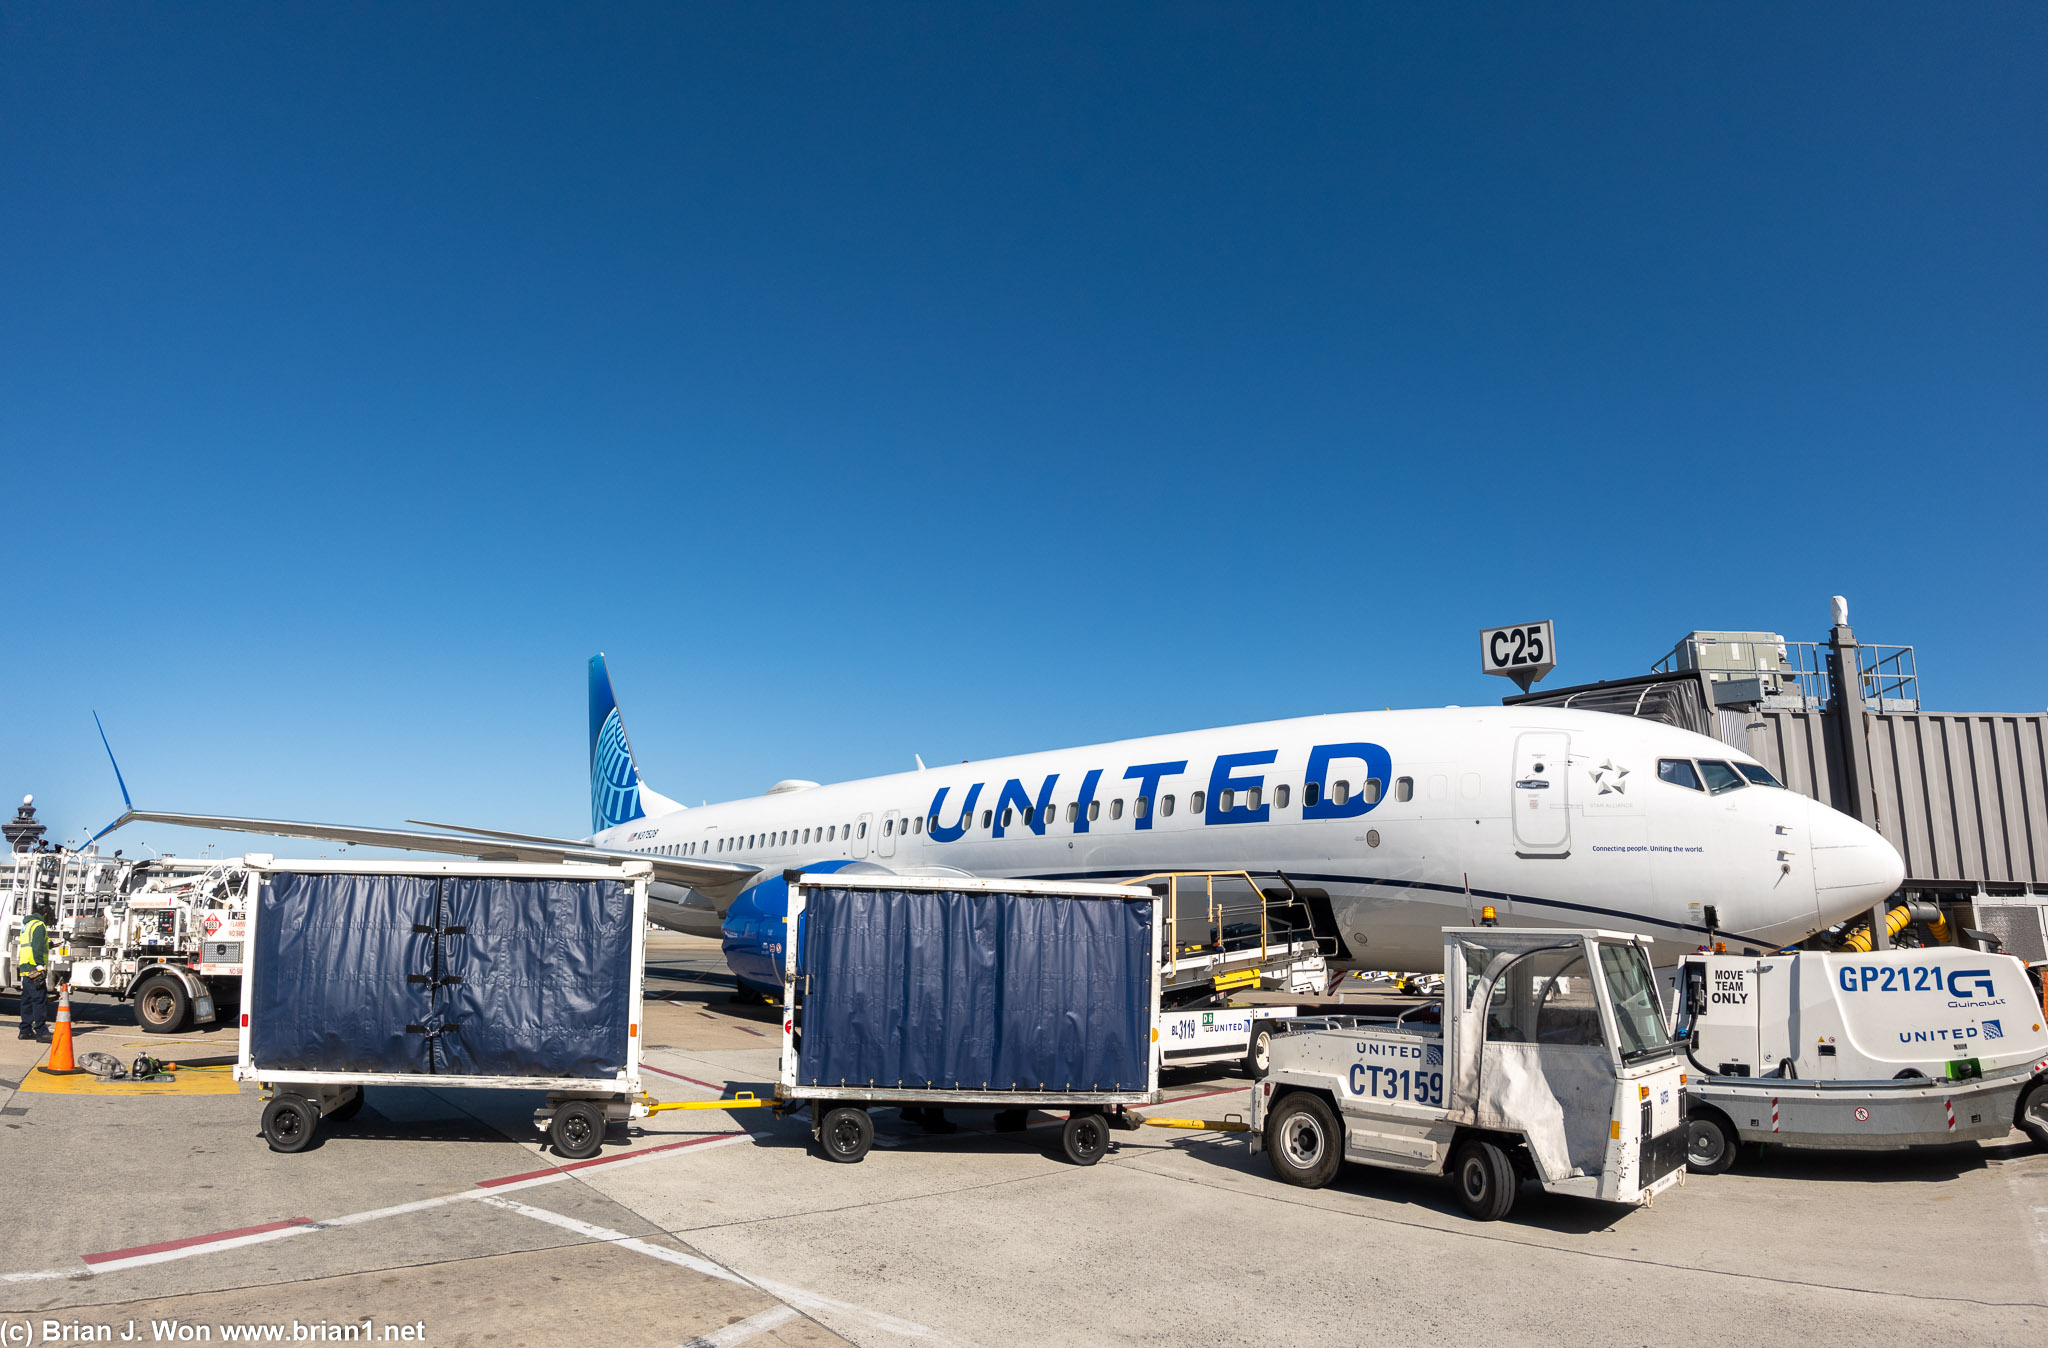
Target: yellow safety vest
(25,950)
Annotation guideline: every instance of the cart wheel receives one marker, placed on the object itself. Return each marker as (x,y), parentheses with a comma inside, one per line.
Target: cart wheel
(161,1005)
(2032,1115)
(1258,1055)
(846,1132)
(349,1108)
(577,1130)
(288,1123)
(1485,1180)
(1303,1140)
(1709,1145)
(1084,1138)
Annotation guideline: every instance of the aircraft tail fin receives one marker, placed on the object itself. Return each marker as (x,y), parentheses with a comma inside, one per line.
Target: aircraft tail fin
(614,777)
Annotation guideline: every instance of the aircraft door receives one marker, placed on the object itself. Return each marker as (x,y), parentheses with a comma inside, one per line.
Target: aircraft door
(885,842)
(1541,793)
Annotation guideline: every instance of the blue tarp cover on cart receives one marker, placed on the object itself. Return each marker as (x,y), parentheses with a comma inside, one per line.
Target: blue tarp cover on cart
(972,990)
(452,975)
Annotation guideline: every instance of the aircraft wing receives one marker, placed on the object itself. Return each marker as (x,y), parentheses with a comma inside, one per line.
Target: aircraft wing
(717,880)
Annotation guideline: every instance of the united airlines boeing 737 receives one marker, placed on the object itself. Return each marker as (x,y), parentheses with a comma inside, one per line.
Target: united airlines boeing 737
(1387,826)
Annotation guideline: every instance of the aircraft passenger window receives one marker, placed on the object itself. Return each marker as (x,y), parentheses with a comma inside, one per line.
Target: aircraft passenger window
(1007,812)
(807,835)
(1311,792)
(1195,801)
(1678,772)
(1759,774)
(1095,811)
(846,830)
(1371,791)
(863,832)
(1404,788)
(935,821)
(1073,811)
(917,824)
(986,817)
(1225,801)
(1280,796)
(1165,806)
(1251,798)
(1721,776)
(1116,809)
(1339,792)
(1140,806)
(888,828)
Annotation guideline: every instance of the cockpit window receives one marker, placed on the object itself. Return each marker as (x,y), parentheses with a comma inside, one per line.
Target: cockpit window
(1759,774)
(1678,772)
(1721,776)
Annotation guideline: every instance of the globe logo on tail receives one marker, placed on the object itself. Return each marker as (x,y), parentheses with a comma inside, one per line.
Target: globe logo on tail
(614,785)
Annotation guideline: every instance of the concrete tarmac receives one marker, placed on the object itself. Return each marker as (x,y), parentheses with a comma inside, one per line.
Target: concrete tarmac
(439,1212)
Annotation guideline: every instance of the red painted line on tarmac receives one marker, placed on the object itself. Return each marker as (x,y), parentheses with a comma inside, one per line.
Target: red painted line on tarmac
(601,1160)
(1179,1099)
(163,1245)
(650,1067)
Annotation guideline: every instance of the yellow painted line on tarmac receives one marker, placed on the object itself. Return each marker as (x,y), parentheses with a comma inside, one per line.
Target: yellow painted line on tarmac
(190,1081)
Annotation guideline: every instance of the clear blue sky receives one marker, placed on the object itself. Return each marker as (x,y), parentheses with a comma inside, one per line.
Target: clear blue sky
(964,379)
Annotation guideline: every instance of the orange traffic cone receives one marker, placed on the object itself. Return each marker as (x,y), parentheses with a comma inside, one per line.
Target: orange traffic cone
(60,1040)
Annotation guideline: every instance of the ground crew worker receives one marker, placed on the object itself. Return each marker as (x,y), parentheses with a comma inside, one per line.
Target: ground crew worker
(32,961)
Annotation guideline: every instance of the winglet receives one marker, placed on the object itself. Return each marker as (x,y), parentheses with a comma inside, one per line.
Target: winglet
(110,758)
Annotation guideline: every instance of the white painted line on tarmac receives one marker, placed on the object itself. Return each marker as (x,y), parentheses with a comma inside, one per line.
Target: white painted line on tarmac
(620,1239)
(740,1331)
(92,1266)
(824,1305)
(795,1296)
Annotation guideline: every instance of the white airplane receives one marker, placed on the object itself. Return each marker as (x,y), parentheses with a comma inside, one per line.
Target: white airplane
(1388,826)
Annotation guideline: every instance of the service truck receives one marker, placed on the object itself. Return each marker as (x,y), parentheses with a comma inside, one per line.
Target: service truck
(166,933)
(1892,1049)
(1548,1061)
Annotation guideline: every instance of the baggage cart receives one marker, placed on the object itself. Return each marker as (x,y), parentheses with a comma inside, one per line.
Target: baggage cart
(464,974)
(945,993)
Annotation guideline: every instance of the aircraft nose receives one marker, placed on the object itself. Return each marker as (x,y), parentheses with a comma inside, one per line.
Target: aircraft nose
(1854,868)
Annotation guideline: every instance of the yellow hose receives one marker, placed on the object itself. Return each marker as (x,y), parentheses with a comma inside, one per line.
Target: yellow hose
(1895,922)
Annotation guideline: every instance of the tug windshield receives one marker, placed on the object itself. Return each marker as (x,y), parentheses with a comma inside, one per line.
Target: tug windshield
(1638,1013)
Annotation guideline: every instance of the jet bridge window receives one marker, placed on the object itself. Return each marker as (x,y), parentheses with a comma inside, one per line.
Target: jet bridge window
(1721,776)
(1759,774)
(1678,772)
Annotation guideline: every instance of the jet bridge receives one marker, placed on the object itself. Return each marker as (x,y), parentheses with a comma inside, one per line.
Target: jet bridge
(1964,797)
